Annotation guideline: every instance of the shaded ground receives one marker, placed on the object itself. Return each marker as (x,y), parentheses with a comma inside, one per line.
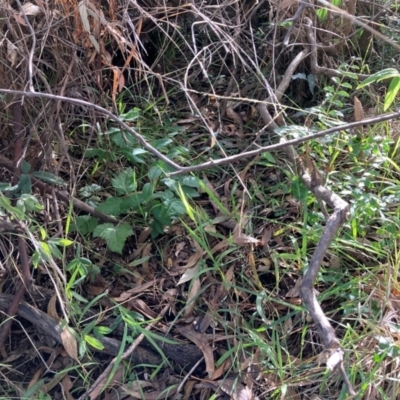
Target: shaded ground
(210,262)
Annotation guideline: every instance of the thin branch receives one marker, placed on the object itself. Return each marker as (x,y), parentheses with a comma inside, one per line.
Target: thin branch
(282,145)
(358,22)
(212,163)
(102,110)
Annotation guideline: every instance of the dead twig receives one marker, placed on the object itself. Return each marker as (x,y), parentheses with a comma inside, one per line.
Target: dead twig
(23,252)
(313,182)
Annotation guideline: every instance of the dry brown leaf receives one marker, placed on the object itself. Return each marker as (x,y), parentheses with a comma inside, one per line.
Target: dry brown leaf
(146,253)
(135,388)
(189,274)
(188,389)
(35,378)
(295,290)
(69,343)
(222,245)
(142,307)
(225,366)
(144,235)
(252,265)
(358,110)
(51,308)
(194,258)
(264,264)
(67,385)
(12,53)
(31,9)
(192,297)
(287,325)
(241,239)
(287,3)
(236,390)
(201,342)
(100,385)
(179,247)
(129,293)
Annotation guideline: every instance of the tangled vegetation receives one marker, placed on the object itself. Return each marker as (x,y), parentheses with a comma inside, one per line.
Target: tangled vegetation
(199,200)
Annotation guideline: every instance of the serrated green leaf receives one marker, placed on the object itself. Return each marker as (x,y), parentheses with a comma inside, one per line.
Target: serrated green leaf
(131,202)
(95,343)
(49,178)
(190,191)
(175,207)
(111,206)
(391,94)
(115,236)
(160,213)
(125,182)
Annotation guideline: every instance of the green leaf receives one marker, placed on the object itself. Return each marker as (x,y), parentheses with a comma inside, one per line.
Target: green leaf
(189,191)
(61,242)
(49,178)
(95,343)
(343,93)
(111,206)
(115,236)
(131,115)
(25,184)
(92,153)
(56,253)
(160,143)
(25,167)
(160,213)
(191,181)
(134,155)
(5,186)
(379,76)
(154,173)
(392,92)
(124,141)
(5,203)
(31,203)
(269,157)
(157,228)
(147,191)
(322,14)
(84,224)
(175,207)
(131,202)
(125,182)
(164,195)
(102,330)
